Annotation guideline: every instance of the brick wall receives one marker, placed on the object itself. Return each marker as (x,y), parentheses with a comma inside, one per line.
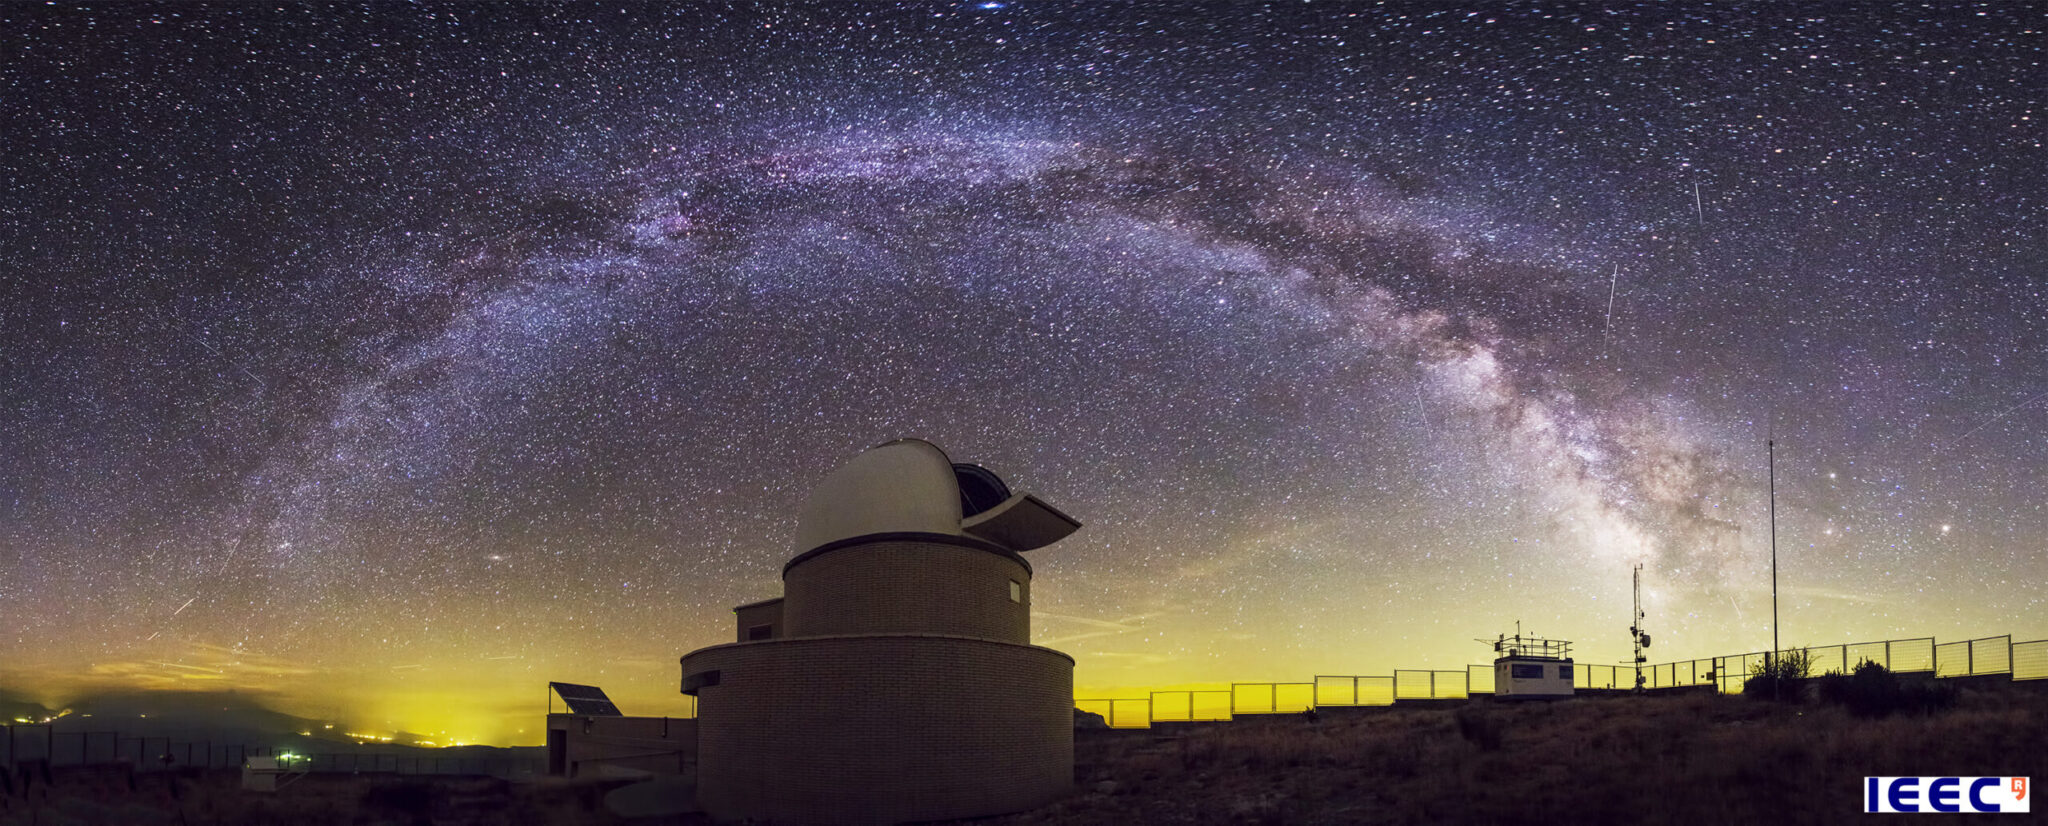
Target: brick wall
(907,587)
(767,612)
(603,746)
(882,729)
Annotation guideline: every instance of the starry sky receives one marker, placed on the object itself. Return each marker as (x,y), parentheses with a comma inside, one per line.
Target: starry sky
(388,361)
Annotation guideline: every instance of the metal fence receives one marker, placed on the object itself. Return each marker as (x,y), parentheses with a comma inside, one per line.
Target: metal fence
(1120,713)
(2030,660)
(1272,698)
(1190,706)
(1479,679)
(42,744)
(1969,658)
(1354,691)
(1984,656)
(1592,676)
(1429,685)
(1727,673)
(346,763)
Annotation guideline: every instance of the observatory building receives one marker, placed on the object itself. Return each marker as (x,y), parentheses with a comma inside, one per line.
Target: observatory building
(895,679)
(1531,668)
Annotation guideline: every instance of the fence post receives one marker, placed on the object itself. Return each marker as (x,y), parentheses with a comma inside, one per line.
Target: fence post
(1970,657)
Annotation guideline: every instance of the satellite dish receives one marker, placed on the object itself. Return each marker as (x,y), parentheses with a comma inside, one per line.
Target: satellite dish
(980,489)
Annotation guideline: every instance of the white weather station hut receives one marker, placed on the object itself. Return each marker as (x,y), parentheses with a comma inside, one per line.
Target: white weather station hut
(1531,668)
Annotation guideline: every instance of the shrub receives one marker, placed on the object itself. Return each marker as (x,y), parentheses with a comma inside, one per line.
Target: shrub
(1874,691)
(1483,729)
(1779,676)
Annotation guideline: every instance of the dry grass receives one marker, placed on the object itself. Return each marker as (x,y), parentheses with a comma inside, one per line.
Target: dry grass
(1673,759)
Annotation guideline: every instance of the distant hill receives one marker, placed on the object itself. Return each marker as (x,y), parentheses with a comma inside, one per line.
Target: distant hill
(13,706)
(217,716)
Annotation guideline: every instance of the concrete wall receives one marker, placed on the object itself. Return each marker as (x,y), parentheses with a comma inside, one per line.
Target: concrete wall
(908,587)
(881,729)
(623,746)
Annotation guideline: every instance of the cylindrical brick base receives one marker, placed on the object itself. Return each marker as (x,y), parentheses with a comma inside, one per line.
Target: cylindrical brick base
(880,728)
(908,586)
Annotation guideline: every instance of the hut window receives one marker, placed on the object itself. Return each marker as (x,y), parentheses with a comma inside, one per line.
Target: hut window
(1564,672)
(1016,591)
(1527,672)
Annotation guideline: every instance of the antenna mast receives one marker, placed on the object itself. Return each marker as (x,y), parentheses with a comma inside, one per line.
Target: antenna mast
(1637,637)
(1771,448)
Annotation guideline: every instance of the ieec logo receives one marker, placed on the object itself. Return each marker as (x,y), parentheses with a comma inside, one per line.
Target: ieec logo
(1945,794)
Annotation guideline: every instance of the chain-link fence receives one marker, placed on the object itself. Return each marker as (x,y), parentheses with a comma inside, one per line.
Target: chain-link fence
(1135,712)
(1969,658)
(1984,656)
(1272,698)
(1728,672)
(1336,690)
(1429,685)
(346,763)
(1190,706)
(1594,676)
(2030,660)
(1479,679)
(43,744)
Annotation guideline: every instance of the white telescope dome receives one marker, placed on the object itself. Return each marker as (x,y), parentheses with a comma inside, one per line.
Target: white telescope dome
(910,486)
(904,486)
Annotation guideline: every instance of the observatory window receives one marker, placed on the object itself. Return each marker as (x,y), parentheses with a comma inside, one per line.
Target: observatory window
(1016,591)
(702,679)
(1527,672)
(1564,672)
(760,632)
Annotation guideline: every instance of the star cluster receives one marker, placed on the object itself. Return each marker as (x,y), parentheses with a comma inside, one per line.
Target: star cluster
(392,360)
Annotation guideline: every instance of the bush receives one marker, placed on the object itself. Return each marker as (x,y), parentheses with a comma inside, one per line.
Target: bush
(1779,677)
(1480,727)
(1874,691)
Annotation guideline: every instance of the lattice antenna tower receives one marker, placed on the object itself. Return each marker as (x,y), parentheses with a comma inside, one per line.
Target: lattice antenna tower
(1639,637)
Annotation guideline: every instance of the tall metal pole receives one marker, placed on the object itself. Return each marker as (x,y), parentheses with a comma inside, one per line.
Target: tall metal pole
(1635,628)
(1771,448)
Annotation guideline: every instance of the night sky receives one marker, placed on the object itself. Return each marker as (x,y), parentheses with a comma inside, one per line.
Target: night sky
(386,362)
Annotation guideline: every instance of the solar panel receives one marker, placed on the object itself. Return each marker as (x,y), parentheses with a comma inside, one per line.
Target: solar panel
(586,699)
